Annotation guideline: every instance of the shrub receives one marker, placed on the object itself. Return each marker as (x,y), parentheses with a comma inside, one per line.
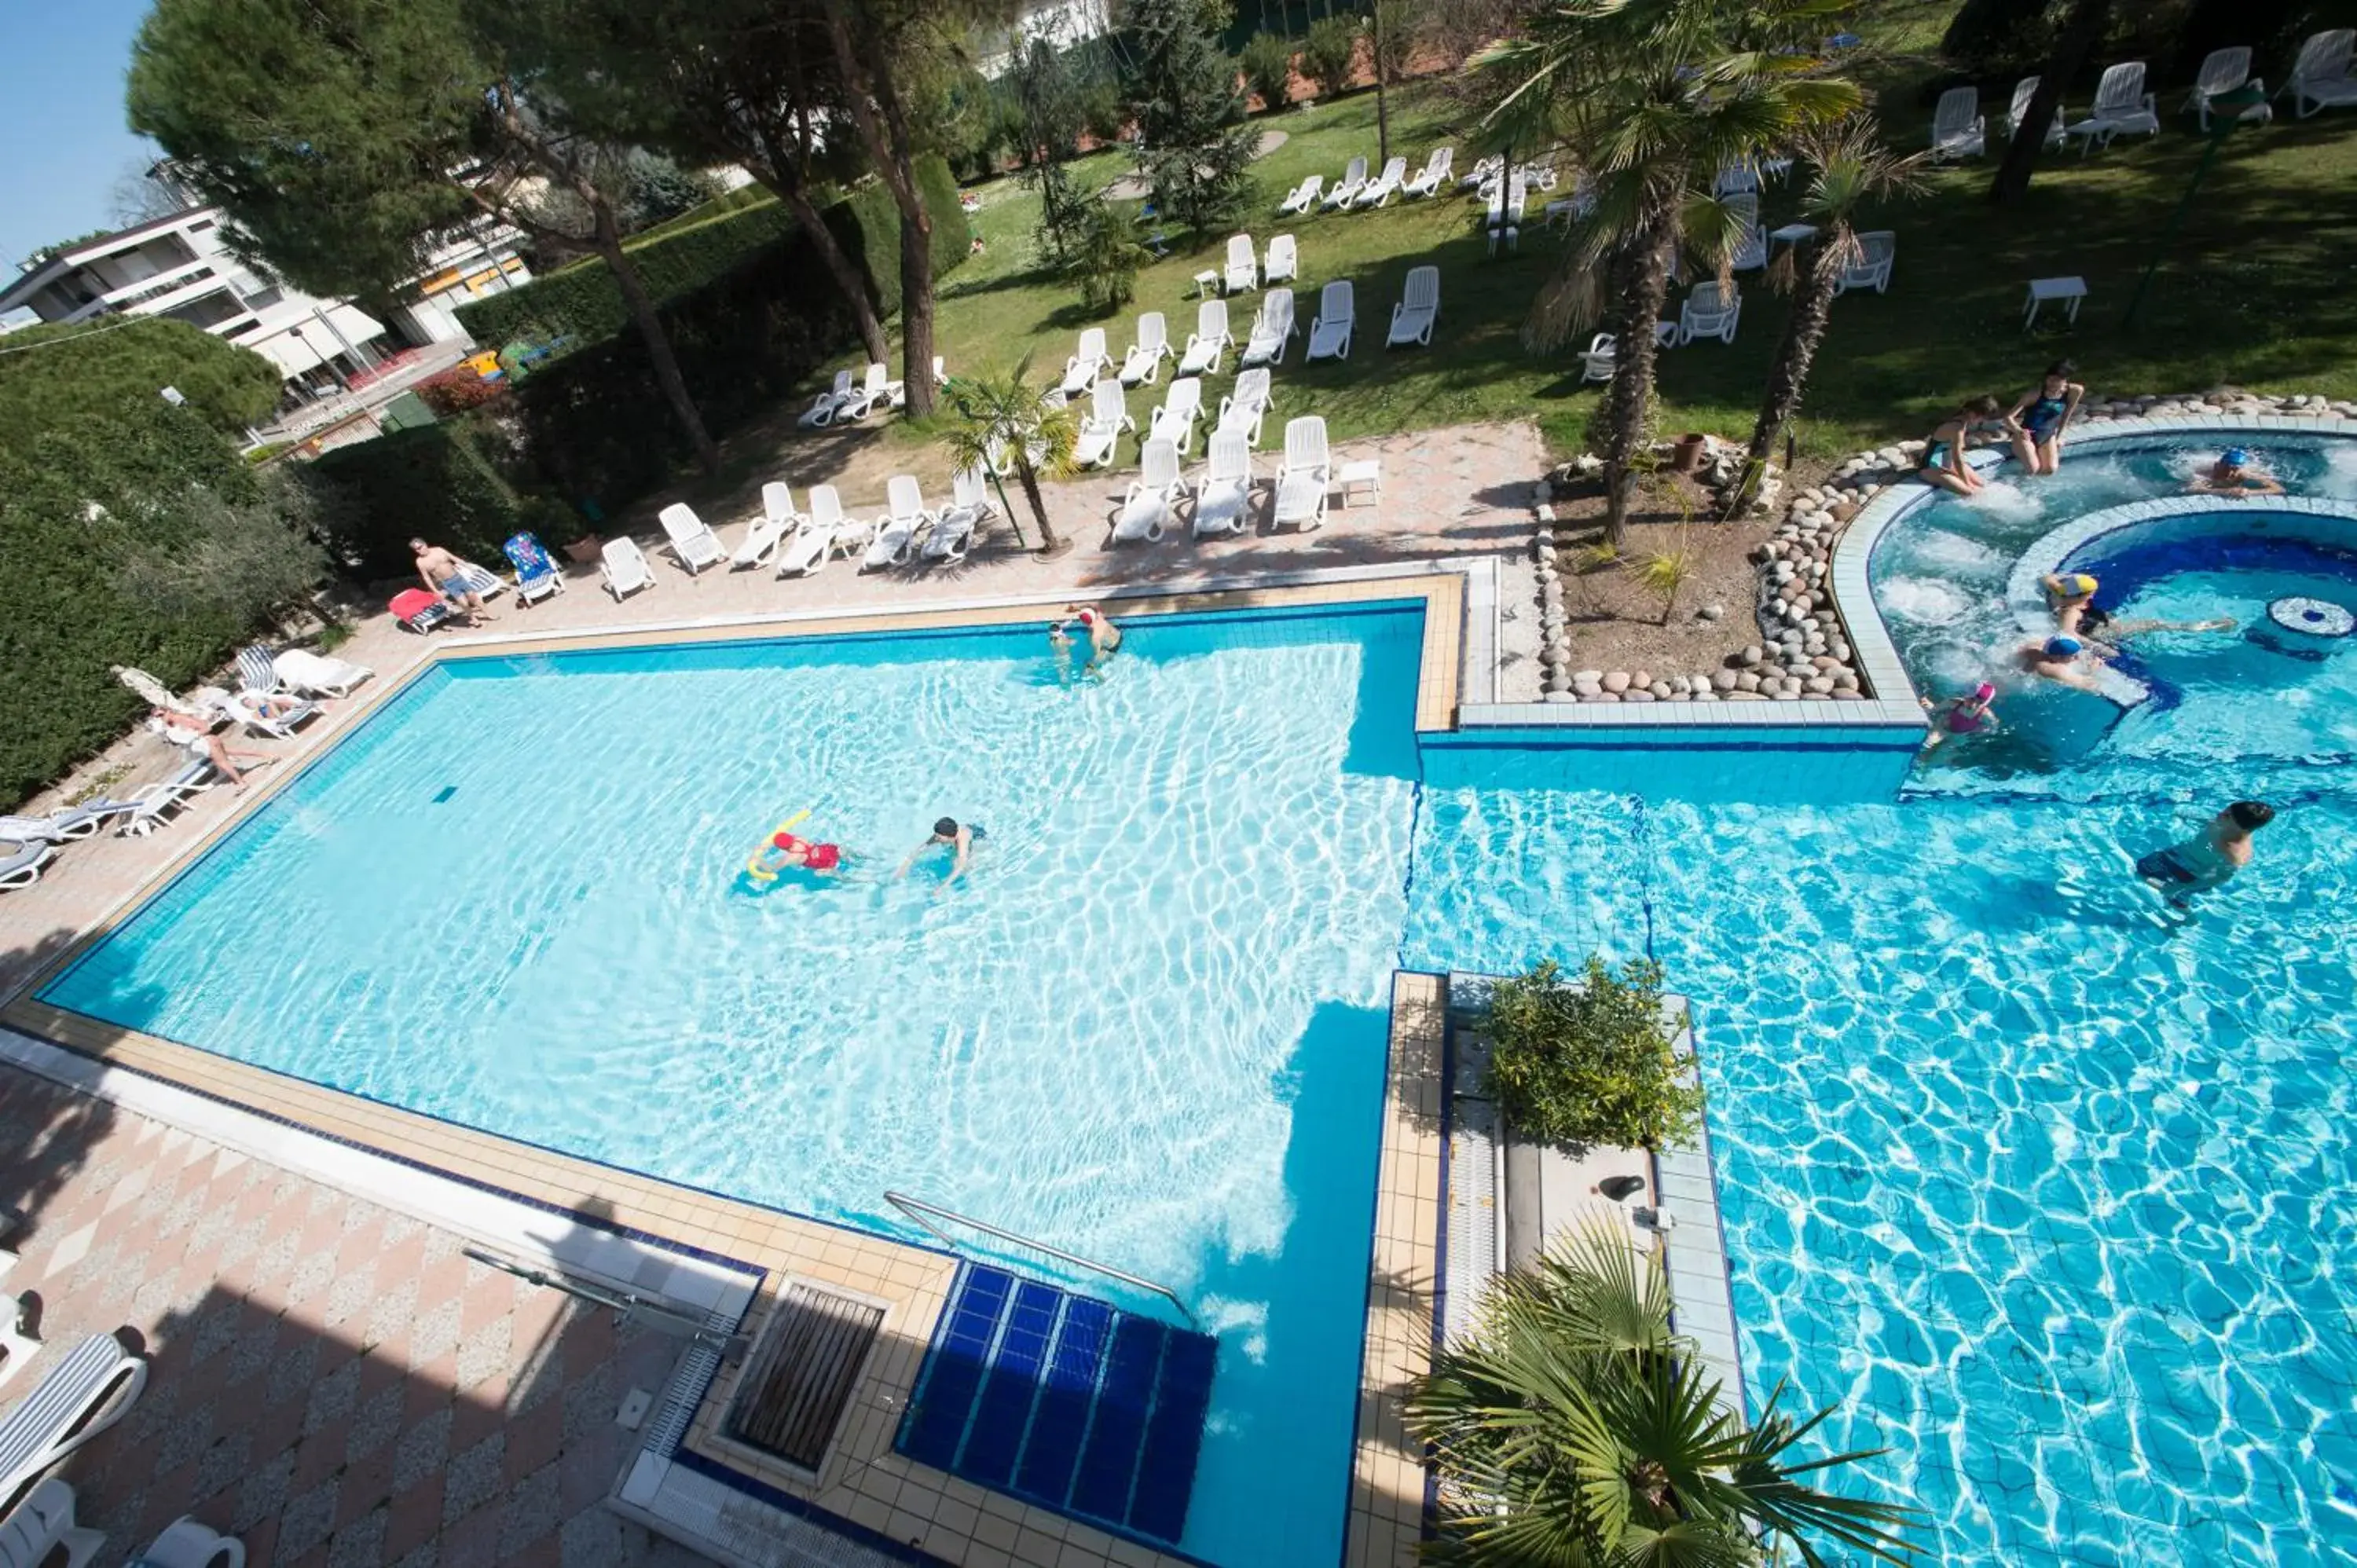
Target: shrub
(437,479)
(1999,38)
(1267,62)
(1590,1062)
(1103,260)
(456,390)
(82,374)
(583,302)
(1331,53)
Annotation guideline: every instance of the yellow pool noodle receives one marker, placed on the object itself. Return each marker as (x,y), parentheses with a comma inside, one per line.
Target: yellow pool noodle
(753,867)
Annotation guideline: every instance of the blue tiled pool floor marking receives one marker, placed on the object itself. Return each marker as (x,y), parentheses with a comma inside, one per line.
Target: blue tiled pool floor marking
(1064,1400)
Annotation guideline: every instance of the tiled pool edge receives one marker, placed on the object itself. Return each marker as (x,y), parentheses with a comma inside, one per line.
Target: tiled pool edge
(1853,593)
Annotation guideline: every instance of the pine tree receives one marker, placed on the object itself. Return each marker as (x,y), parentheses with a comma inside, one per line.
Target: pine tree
(1194,143)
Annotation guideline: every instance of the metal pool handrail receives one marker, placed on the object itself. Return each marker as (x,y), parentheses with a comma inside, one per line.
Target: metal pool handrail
(917,1208)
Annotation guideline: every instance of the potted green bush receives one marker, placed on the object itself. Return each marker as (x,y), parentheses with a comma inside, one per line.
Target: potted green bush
(1590,1060)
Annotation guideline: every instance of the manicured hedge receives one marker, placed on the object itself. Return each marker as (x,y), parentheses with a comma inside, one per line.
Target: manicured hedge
(444,481)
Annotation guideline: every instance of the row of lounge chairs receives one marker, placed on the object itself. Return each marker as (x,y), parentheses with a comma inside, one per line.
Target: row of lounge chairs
(876,392)
(798,542)
(1221,495)
(1355,192)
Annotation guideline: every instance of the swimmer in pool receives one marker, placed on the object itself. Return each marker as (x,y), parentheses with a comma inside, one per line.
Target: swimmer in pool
(2098,626)
(2070,595)
(787,852)
(950,833)
(1104,637)
(2209,857)
(2231,475)
(2061,659)
(1964,715)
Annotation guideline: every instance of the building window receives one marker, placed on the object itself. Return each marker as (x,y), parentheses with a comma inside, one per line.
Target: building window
(264,298)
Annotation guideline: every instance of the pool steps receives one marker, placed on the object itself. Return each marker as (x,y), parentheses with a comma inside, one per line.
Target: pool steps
(1063,1401)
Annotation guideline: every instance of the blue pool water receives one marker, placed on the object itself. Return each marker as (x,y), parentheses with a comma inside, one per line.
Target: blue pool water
(2045,1188)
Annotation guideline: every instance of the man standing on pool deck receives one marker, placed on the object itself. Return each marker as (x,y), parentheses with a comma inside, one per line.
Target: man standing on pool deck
(2206,860)
(959,836)
(446,574)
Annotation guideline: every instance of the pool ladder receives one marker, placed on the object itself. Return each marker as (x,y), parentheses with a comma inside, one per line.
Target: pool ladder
(917,1209)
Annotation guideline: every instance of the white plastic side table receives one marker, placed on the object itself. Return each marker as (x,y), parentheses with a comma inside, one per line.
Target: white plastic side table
(2043,289)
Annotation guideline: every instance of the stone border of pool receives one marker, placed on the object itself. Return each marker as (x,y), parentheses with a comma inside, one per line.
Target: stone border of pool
(866,1502)
(1853,595)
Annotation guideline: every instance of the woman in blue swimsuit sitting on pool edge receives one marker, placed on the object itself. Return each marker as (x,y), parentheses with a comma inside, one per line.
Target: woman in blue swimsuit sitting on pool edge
(2043,415)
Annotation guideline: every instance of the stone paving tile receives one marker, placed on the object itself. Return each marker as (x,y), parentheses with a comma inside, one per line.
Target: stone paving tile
(331,1382)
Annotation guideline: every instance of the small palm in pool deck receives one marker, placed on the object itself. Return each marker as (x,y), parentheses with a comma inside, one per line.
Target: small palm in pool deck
(1002,422)
(1573,1427)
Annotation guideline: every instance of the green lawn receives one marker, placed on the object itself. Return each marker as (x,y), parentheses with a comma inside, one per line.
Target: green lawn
(2260,288)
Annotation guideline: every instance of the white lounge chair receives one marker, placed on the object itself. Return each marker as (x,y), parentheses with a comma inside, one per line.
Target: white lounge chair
(153,804)
(1143,362)
(1146,506)
(625,568)
(1329,334)
(484,584)
(1223,495)
(1209,340)
(20,867)
(64,825)
(1958,129)
(1711,310)
(1346,191)
(1419,307)
(83,1394)
(1433,175)
(1305,197)
(1485,169)
(1283,263)
(2018,110)
(949,538)
(827,404)
(1102,426)
(1175,420)
(878,390)
(766,532)
(1243,269)
(2319,76)
(1088,362)
(1302,482)
(43,1522)
(892,538)
(824,532)
(318,675)
(187,1543)
(1751,250)
(257,672)
(1870,268)
(251,709)
(2224,71)
(691,539)
(1384,186)
(1272,330)
(1244,409)
(2122,106)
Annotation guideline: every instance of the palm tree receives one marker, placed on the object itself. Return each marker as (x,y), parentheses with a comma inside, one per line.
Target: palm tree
(1848,168)
(1652,97)
(1573,1429)
(1001,420)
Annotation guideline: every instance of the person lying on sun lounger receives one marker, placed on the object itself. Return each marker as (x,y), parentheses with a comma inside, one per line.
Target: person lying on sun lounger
(204,746)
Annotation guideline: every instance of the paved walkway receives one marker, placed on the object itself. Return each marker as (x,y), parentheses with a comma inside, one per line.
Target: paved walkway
(330,1381)
(1455,492)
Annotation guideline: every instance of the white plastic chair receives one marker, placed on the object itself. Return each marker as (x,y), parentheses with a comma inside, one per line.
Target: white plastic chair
(1209,340)
(766,532)
(1305,197)
(624,566)
(1330,333)
(2018,110)
(1345,191)
(1302,482)
(1418,309)
(1272,330)
(949,538)
(186,1543)
(691,539)
(1484,170)
(1088,362)
(1956,125)
(1102,426)
(1284,264)
(2223,71)
(1384,186)
(1223,495)
(1433,175)
(878,390)
(1243,410)
(1711,310)
(824,533)
(2122,106)
(1870,268)
(1175,420)
(1751,250)
(43,1522)
(82,1394)
(1243,269)
(825,406)
(1737,179)
(1143,362)
(2319,76)
(318,675)
(1146,507)
(892,538)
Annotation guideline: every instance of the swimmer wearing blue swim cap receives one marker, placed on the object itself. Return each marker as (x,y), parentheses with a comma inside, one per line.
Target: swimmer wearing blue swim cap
(2061,659)
(2231,475)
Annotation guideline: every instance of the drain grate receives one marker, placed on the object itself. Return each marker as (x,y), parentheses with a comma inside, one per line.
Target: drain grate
(801,1373)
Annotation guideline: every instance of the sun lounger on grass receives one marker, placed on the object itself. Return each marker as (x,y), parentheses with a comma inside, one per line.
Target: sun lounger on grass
(1209,340)
(827,404)
(1305,197)
(1956,125)
(1244,409)
(1345,191)
(1087,363)
(2319,76)
(1418,309)
(1329,334)
(1143,362)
